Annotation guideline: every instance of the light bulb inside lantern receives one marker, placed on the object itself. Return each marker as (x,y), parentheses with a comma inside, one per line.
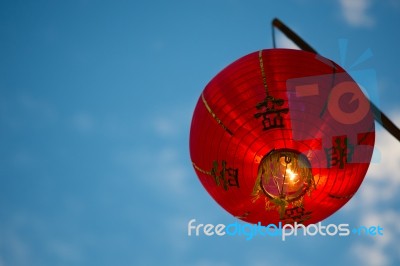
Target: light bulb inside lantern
(293,177)
(285,174)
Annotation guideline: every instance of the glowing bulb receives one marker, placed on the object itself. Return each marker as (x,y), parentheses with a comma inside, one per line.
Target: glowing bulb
(285,174)
(292,175)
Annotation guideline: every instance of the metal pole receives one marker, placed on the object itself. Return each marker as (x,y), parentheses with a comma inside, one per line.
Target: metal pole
(379,116)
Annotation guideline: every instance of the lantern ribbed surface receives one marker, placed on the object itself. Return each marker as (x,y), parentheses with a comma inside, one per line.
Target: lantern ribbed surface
(281,100)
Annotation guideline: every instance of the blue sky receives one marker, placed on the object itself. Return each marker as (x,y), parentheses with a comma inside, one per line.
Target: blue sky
(96,99)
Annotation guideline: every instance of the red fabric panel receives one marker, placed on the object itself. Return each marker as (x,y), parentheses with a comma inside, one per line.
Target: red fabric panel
(326,110)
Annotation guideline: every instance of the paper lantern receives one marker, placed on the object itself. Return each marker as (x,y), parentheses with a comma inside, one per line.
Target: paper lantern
(282,135)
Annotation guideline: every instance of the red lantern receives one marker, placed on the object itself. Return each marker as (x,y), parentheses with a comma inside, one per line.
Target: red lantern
(282,136)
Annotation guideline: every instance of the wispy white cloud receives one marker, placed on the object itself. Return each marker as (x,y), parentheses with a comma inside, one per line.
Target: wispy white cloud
(382,249)
(64,251)
(176,236)
(83,122)
(369,255)
(172,123)
(166,166)
(356,12)
(170,170)
(24,110)
(383,175)
(39,107)
(374,204)
(17,249)
(165,126)
(158,45)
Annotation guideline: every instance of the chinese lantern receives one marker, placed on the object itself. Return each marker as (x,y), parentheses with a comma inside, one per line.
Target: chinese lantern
(282,135)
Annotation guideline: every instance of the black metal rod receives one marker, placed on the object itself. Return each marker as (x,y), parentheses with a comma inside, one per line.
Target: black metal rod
(292,36)
(385,122)
(379,116)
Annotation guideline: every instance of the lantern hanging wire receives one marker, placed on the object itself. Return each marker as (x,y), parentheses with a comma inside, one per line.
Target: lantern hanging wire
(379,116)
